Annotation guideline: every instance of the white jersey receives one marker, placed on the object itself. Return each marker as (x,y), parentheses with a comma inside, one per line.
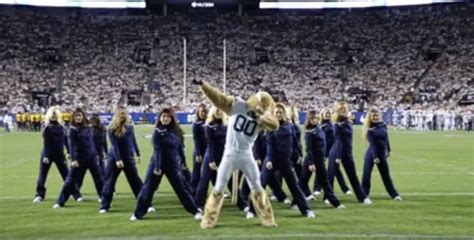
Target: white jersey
(242,130)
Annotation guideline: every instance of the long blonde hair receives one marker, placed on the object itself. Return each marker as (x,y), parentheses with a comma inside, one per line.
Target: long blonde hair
(323,112)
(367,122)
(211,116)
(119,128)
(49,114)
(293,114)
(339,106)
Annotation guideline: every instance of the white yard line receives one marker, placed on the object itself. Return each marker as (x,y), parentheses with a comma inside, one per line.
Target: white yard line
(92,197)
(17,163)
(303,235)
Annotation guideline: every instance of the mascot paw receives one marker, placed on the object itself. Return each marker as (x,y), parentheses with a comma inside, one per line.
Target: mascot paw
(196,82)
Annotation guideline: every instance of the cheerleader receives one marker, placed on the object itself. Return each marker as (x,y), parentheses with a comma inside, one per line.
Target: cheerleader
(215,132)
(167,138)
(83,155)
(279,150)
(297,153)
(100,142)
(199,143)
(54,142)
(314,161)
(259,152)
(341,152)
(375,131)
(328,129)
(121,157)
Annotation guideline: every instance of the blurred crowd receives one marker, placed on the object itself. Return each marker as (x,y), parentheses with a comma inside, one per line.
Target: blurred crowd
(396,58)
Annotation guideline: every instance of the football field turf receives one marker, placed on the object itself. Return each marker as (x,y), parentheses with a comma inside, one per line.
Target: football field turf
(433,172)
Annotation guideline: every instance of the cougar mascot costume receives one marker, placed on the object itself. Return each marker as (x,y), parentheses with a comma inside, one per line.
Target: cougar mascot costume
(246,119)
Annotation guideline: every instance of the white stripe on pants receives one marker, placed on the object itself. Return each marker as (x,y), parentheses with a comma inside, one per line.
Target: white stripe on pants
(243,161)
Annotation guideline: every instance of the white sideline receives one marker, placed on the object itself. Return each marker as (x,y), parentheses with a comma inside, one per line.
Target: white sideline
(92,196)
(302,235)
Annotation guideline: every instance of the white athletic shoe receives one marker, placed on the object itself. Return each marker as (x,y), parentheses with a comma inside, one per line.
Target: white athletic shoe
(286,201)
(246,209)
(348,192)
(133,218)
(294,207)
(310,197)
(102,211)
(249,215)
(327,202)
(310,214)
(367,201)
(80,199)
(317,193)
(37,199)
(151,209)
(99,200)
(56,206)
(397,198)
(226,195)
(341,206)
(198,216)
(273,199)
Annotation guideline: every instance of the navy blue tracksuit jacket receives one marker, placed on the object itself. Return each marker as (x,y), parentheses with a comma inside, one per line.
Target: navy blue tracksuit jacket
(83,151)
(279,152)
(200,146)
(328,129)
(54,142)
(166,150)
(342,149)
(379,148)
(123,148)
(315,140)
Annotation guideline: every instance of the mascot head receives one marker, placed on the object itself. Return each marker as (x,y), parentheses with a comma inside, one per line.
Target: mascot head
(261,99)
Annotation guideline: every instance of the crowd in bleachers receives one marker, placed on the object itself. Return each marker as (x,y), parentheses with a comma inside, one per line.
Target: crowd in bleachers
(374,56)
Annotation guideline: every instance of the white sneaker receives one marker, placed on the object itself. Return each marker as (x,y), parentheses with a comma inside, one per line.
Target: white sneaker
(397,198)
(246,209)
(310,197)
(37,199)
(99,200)
(273,199)
(310,214)
(294,207)
(317,193)
(80,199)
(286,201)
(102,211)
(367,201)
(56,206)
(198,216)
(249,215)
(327,202)
(151,209)
(348,192)
(226,195)
(133,218)
(341,206)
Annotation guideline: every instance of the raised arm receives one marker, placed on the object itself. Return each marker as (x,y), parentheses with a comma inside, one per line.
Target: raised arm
(218,99)
(268,121)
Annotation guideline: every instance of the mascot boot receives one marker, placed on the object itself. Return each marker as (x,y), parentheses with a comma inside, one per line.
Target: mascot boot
(263,208)
(212,210)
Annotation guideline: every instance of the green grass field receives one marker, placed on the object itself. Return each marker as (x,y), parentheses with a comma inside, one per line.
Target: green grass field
(433,171)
